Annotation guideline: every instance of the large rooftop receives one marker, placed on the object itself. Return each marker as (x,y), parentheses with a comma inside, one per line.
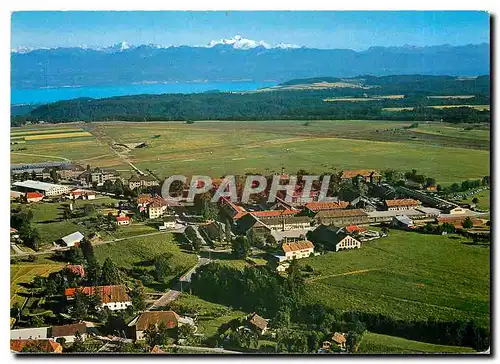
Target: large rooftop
(36,185)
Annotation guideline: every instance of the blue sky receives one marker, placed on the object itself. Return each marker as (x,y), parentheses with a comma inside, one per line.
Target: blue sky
(353,30)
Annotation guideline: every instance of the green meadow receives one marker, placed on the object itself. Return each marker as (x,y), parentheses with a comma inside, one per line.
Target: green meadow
(407,276)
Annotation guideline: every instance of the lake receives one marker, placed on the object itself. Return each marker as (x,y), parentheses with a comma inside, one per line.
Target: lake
(46,95)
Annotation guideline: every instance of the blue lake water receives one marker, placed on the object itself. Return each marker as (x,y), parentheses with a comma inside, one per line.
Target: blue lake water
(45,95)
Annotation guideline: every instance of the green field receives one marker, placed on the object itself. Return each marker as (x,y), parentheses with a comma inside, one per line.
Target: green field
(210,315)
(372,343)
(216,148)
(406,276)
(23,273)
(483,197)
(129,252)
(47,218)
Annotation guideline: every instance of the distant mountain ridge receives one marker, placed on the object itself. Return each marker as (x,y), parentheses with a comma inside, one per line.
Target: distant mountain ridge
(232,60)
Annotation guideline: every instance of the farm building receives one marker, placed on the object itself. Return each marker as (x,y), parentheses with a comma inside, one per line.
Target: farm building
(68,332)
(48,189)
(289,236)
(257,323)
(401,204)
(98,176)
(269,214)
(288,223)
(402,221)
(34,333)
(113,297)
(342,217)
(339,339)
(171,319)
(297,250)
(233,211)
(334,238)
(312,208)
(72,239)
(168,223)
(366,175)
(34,197)
(82,194)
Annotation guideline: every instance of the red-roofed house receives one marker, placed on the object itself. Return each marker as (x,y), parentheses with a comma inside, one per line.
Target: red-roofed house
(123,220)
(354,228)
(42,346)
(113,297)
(312,208)
(34,196)
(76,269)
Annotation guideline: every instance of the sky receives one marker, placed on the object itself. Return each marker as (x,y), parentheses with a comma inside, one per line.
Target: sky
(336,29)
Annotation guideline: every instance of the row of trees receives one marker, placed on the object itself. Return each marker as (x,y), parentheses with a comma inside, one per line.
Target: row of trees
(22,220)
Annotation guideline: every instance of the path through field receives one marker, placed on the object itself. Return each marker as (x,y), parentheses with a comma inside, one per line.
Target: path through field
(341,274)
(41,155)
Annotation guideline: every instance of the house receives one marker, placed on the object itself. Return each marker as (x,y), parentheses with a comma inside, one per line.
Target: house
(42,345)
(367,175)
(169,318)
(14,234)
(16,194)
(34,196)
(289,236)
(33,333)
(312,208)
(402,221)
(76,269)
(97,176)
(72,239)
(142,181)
(258,323)
(354,229)
(68,332)
(457,211)
(288,223)
(157,208)
(339,339)
(342,217)
(82,194)
(122,220)
(334,238)
(282,267)
(233,211)
(169,222)
(47,189)
(113,297)
(401,204)
(70,172)
(297,250)
(263,215)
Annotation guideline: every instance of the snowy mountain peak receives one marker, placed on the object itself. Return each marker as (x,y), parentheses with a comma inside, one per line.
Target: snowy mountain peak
(239,42)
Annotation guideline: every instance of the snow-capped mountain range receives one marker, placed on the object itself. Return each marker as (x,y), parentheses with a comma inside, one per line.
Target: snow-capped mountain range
(231,59)
(236,42)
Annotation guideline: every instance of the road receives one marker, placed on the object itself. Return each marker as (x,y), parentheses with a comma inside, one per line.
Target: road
(165,299)
(202,348)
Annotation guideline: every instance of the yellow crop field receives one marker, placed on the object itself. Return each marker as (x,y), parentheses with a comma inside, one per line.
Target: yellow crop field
(58,135)
(372,98)
(460,97)
(477,107)
(47,131)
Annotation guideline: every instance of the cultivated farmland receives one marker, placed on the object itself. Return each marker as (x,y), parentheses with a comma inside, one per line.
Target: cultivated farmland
(408,276)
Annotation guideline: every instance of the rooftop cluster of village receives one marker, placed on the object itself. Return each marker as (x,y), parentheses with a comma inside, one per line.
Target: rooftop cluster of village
(366,204)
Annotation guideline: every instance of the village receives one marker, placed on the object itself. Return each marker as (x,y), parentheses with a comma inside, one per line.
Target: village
(367,206)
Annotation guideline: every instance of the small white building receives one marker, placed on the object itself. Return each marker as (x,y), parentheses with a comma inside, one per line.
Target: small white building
(114,297)
(34,333)
(123,220)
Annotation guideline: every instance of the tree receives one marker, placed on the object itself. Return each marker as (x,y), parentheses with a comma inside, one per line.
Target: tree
(138,297)
(270,240)
(467,224)
(241,247)
(475,200)
(93,272)
(209,210)
(429,181)
(67,213)
(78,344)
(89,209)
(385,230)
(37,321)
(163,267)
(118,188)
(80,306)
(156,335)
(228,230)
(61,340)
(30,236)
(352,341)
(54,176)
(186,334)
(110,273)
